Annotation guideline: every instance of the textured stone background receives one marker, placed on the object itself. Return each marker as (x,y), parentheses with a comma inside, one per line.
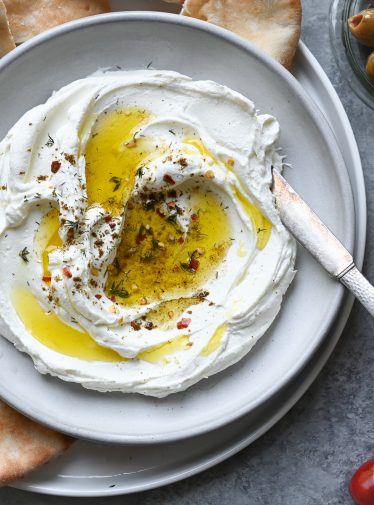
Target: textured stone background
(308,457)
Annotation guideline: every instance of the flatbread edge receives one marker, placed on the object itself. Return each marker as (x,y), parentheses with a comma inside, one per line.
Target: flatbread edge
(25,445)
(6,37)
(272,25)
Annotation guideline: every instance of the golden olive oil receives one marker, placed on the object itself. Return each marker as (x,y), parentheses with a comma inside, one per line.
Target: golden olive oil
(47,238)
(113,155)
(261,224)
(215,341)
(163,352)
(54,333)
(154,255)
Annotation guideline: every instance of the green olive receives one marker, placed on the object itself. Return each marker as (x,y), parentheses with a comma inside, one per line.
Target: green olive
(370,65)
(361,26)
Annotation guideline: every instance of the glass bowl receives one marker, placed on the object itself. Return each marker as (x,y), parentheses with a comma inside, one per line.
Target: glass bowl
(351,56)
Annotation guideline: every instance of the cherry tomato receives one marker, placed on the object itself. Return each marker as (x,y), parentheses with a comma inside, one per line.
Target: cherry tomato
(361,486)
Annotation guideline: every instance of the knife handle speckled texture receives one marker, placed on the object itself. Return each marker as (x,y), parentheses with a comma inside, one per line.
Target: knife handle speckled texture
(314,235)
(360,287)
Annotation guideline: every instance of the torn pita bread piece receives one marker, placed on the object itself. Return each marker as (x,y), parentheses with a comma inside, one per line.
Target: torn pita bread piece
(25,445)
(28,18)
(273,25)
(6,38)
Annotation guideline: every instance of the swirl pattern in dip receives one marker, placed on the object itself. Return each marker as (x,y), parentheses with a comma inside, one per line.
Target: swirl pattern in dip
(143,248)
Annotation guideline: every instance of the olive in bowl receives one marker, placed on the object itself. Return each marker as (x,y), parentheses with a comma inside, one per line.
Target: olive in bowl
(361,26)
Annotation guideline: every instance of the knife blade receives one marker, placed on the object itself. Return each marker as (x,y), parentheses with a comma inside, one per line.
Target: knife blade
(315,237)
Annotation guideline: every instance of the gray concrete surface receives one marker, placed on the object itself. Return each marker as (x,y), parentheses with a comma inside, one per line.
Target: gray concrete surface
(308,457)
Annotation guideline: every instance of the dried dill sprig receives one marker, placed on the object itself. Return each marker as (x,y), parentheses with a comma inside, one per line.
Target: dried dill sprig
(140,172)
(50,142)
(23,254)
(72,225)
(117,182)
(117,266)
(172,218)
(118,289)
(147,257)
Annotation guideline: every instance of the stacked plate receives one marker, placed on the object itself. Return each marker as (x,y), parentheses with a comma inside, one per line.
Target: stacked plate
(154,442)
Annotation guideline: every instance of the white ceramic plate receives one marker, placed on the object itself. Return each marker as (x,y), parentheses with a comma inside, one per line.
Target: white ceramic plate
(99,470)
(133,40)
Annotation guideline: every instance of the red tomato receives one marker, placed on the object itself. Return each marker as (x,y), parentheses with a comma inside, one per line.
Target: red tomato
(361,486)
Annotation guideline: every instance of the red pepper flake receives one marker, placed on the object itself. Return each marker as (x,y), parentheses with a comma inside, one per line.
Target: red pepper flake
(194,264)
(112,298)
(161,214)
(135,325)
(139,238)
(194,217)
(55,166)
(112,225)
(46,278)
(98,296)
(183,323)
(142,234)
(67,272)
(70,158)
(172,204)
(180,240)
(168,179)
(108,218)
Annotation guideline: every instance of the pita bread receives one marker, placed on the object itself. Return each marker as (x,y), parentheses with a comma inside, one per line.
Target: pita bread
(273,25)
(6,39)
(27,18)
(25,445)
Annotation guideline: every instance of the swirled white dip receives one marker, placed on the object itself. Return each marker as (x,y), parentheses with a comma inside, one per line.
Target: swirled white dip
(142,246)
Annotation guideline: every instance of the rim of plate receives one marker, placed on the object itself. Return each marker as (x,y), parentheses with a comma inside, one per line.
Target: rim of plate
(308,104)
(357,181)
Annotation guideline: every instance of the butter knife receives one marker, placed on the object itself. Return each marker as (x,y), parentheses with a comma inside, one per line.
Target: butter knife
(314,235)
